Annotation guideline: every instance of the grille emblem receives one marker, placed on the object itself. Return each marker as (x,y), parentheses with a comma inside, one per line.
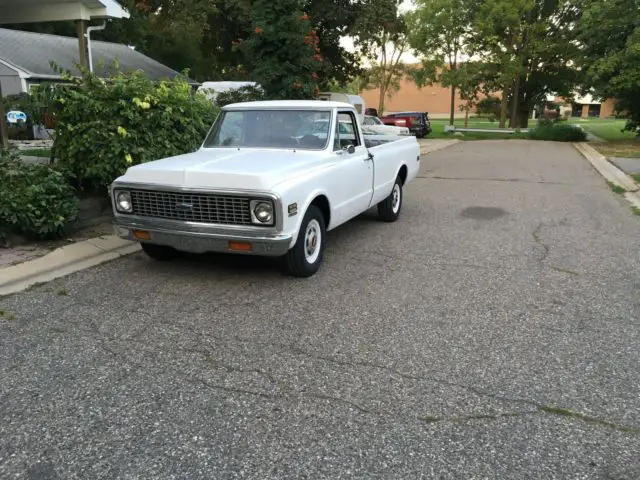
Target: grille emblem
(183,206)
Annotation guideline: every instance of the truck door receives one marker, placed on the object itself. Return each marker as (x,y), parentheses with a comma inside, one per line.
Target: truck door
(353,177)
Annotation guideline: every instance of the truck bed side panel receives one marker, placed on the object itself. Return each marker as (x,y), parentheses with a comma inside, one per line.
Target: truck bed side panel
(388,160)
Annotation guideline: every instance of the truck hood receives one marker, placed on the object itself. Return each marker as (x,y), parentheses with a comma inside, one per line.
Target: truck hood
(226,168)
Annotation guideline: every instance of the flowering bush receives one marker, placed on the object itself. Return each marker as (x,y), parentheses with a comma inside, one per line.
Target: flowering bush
(282,53)
(103,127)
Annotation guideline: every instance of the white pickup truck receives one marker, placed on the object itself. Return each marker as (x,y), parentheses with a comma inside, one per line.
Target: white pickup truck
(271,178)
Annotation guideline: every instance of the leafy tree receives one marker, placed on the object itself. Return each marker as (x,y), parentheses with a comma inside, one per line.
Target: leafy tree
(384,45)
(469,78)
(531,44)
(440,31)
(385,76)
(490,107)
(283,54)
(609,33)
(331,20)
(247,93)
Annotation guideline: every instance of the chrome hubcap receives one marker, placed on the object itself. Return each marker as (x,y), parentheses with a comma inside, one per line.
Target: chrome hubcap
(312,240)
(395,198)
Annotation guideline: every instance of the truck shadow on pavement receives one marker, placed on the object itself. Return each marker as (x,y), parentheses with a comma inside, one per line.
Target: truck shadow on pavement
(350,232)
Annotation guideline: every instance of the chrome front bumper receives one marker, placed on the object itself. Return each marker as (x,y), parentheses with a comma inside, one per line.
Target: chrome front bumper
(202,238)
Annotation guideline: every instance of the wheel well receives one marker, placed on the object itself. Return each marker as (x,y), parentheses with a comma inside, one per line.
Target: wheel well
(323,204)
(403,174)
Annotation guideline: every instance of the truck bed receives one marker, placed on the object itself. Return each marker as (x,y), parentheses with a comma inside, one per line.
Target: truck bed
(372,141)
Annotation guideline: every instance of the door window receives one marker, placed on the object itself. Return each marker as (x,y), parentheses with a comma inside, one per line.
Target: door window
(346,131)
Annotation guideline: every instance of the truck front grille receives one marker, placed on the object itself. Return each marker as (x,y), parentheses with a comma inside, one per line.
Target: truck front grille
(191,207)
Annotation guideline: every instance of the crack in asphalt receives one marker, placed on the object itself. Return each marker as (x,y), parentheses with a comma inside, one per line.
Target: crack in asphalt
(507,180)
(538,408)
(546,249)
(536,237)
(284,393)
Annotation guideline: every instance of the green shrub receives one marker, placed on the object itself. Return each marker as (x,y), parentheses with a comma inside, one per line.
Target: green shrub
(558,132)
(104,127)
(489,107)
(35,200)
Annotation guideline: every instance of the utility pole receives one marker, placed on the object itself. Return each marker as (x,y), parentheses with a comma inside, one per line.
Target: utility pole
(81,28)
(4,134)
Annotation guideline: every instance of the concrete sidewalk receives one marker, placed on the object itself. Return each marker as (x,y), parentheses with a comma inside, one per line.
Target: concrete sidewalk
(63,261)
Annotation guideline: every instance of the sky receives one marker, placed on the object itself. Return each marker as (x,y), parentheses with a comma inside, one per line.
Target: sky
(406,5)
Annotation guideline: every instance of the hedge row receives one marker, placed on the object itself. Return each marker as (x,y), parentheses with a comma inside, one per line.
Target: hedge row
(102,128)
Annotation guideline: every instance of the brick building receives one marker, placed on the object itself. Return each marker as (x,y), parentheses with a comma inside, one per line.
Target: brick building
(436,100)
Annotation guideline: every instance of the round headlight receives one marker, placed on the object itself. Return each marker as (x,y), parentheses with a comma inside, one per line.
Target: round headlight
(263,212)
(123,202)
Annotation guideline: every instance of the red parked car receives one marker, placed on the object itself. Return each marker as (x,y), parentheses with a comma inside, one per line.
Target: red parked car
(417,122)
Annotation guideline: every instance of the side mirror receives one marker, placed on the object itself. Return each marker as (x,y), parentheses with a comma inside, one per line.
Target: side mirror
(350,149)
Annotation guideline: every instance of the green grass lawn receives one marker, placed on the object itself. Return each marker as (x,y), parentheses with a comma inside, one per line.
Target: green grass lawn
(616,142)
(608,130)
(36,152)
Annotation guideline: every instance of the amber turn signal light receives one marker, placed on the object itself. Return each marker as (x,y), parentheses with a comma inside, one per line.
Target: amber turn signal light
(240,246)
(141,235)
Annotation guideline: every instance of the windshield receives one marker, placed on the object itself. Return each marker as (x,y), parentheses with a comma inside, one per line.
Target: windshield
(295,129)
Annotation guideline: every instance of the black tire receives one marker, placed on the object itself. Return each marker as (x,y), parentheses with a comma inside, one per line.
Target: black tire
(161,253)
(388,209)
(296,260)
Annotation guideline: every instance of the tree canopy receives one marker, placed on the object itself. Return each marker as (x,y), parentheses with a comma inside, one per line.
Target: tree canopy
(609,33)
(440,32)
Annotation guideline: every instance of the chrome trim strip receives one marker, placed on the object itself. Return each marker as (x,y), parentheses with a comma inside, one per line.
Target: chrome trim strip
(206,242)
(251,194)
(194,228)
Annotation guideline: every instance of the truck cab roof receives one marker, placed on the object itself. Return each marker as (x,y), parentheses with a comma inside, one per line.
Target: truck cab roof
(289,105)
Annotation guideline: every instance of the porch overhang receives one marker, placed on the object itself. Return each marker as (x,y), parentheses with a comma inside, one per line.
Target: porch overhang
(29,11)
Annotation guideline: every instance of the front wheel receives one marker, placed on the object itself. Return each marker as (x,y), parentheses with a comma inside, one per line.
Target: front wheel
(389,208)
(160,253)
(304,259)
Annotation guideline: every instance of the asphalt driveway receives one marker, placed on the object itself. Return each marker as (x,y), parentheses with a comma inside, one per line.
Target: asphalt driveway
(492,332)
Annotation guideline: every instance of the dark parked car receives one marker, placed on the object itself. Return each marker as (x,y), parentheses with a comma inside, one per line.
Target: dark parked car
(417,122)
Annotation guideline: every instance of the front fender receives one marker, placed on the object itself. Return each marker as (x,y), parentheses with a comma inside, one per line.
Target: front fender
(302,209)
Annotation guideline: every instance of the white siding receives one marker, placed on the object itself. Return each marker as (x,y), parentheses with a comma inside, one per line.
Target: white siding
(11,83)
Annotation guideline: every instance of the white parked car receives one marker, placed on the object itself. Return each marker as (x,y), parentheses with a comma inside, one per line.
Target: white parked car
(376,127)
(271,178)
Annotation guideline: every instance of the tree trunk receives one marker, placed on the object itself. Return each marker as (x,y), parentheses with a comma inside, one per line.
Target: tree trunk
(504,106)
(523,118)
(452,116)
(514,122)
(381,101)
(466,118)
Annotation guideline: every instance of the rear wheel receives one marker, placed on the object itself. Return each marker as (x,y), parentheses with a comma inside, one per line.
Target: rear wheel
(389,208)
(305,258)
(160,253)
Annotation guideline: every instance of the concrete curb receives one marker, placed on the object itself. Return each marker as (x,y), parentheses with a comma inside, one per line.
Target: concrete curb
(609,171)
(64,261)
(633,198)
